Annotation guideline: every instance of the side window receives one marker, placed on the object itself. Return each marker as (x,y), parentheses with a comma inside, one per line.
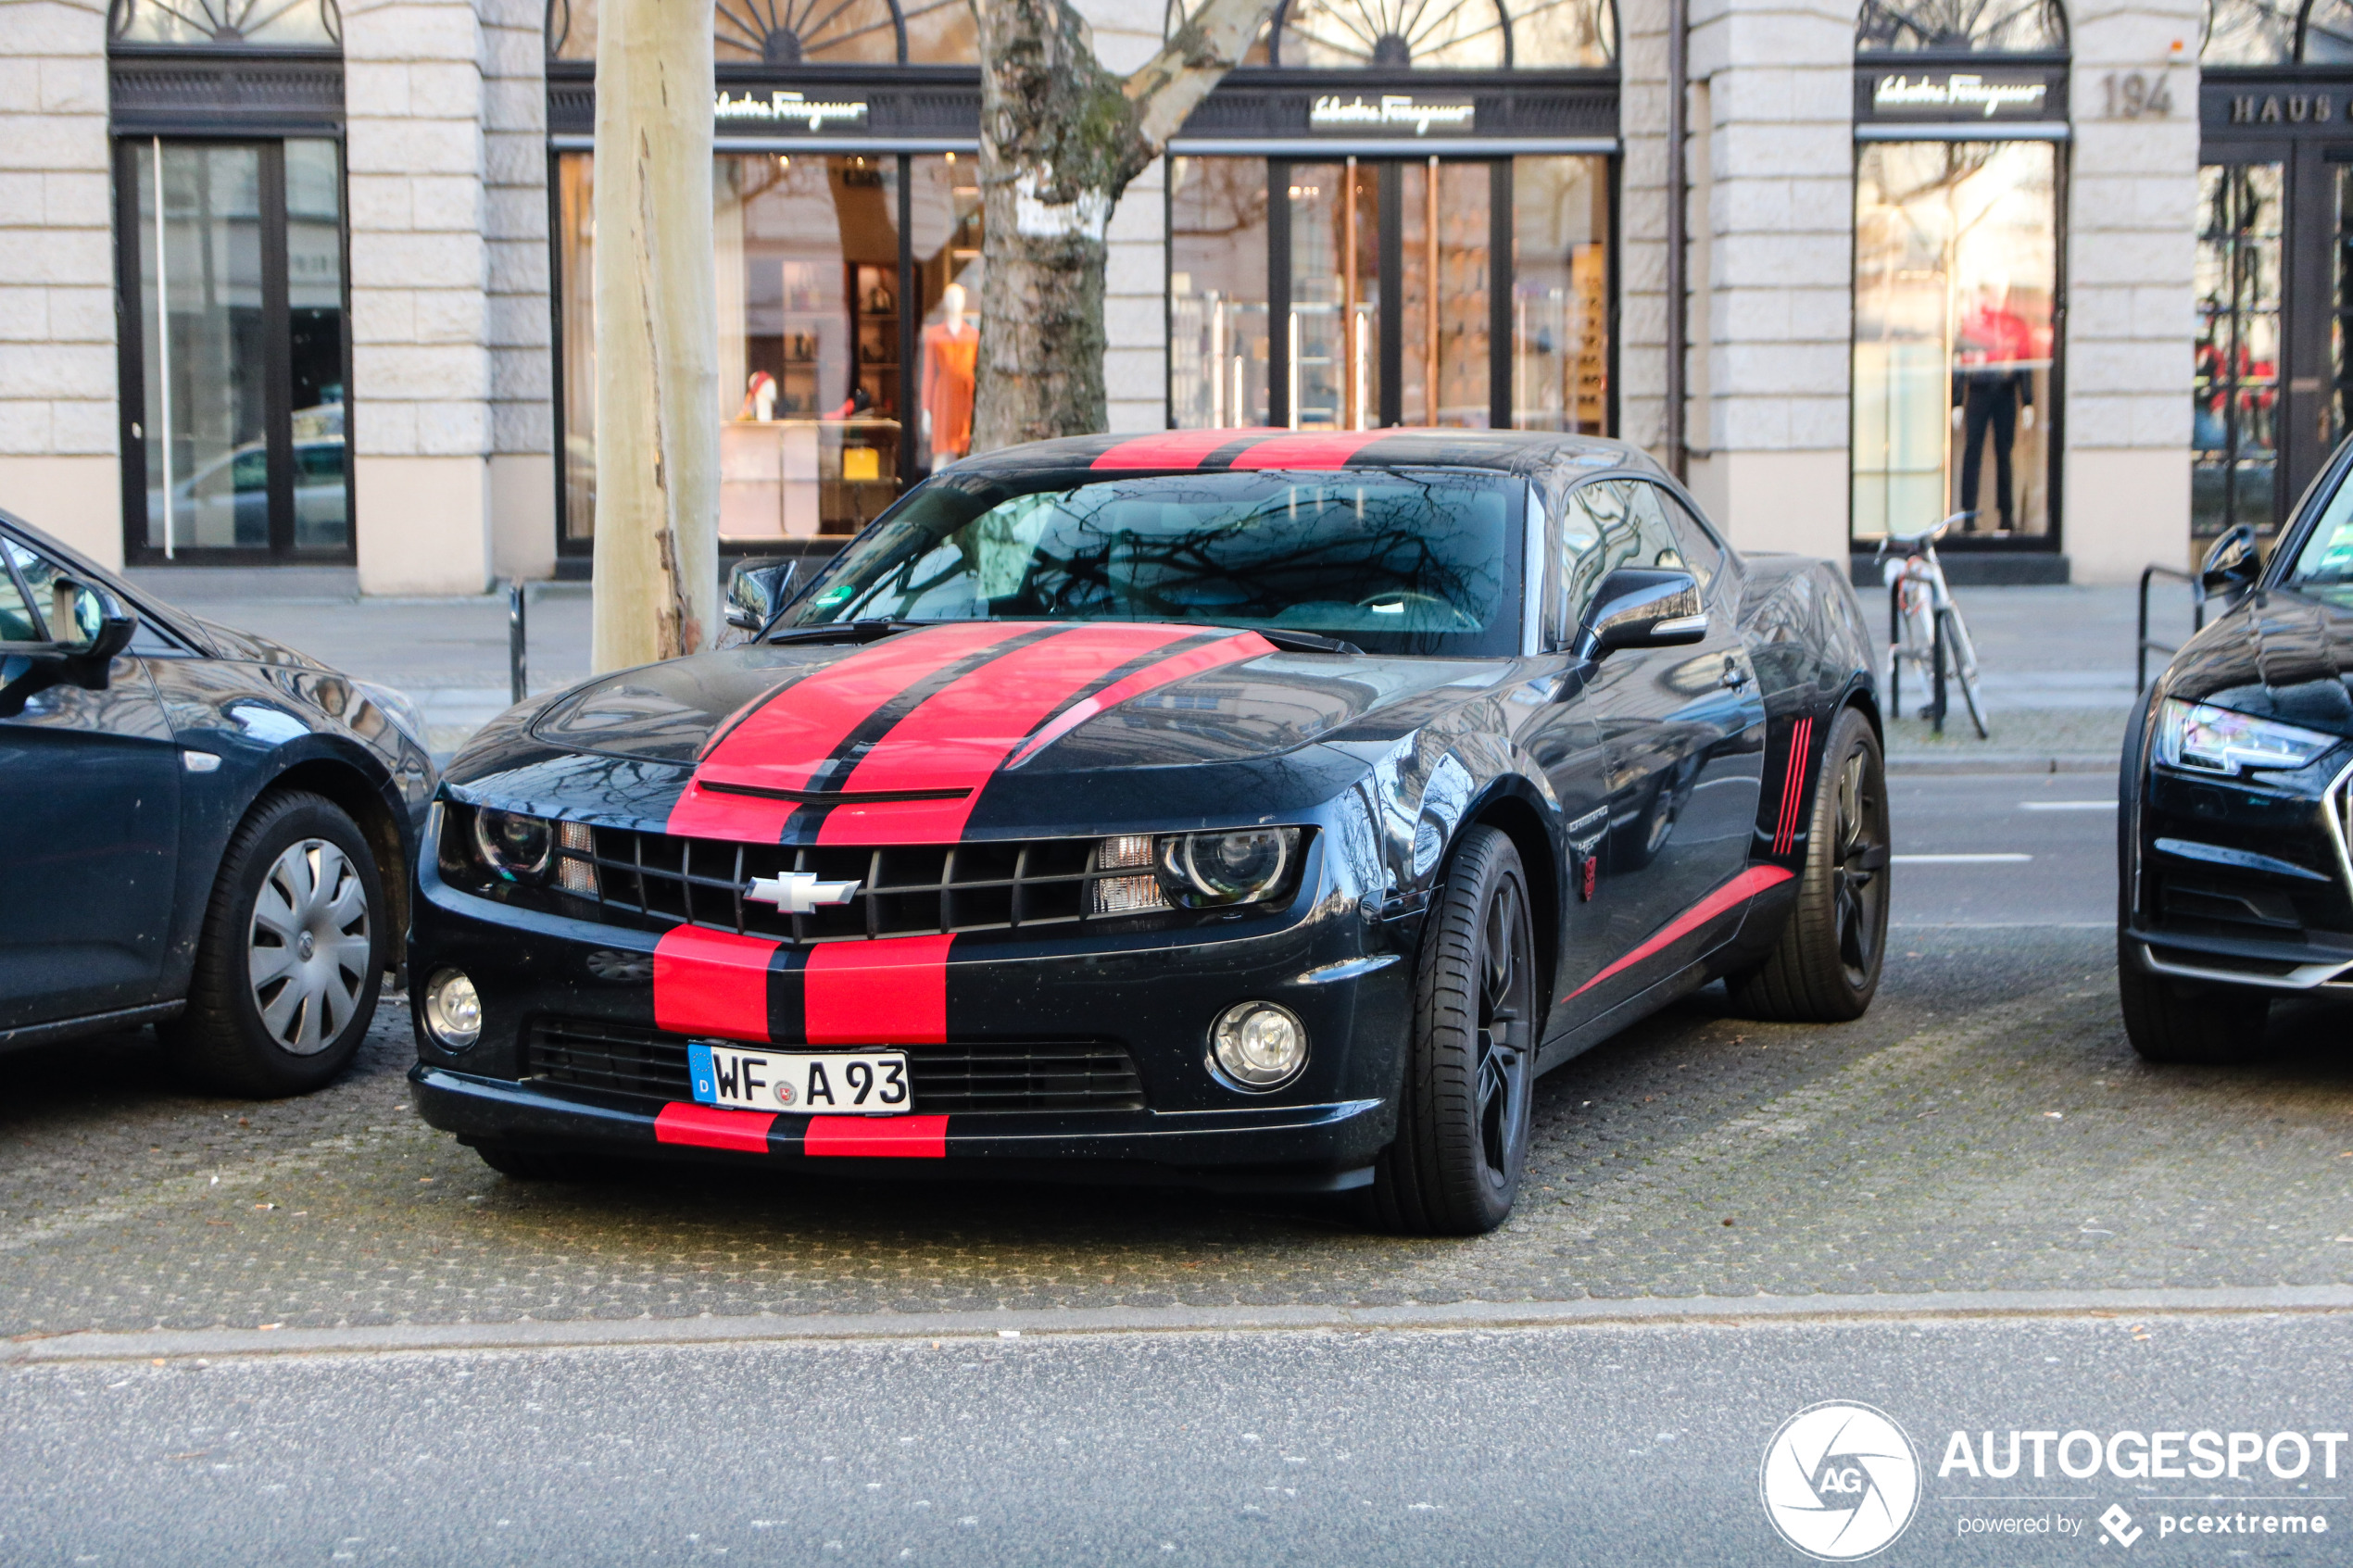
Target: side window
(1698,548)
(40,575)
(18,624)
(1596,534)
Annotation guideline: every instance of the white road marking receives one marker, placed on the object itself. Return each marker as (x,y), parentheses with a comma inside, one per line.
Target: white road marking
(2006,860)
(2067,805)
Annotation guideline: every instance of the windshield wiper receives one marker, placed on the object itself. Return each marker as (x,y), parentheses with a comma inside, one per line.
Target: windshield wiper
(845,630)
(1305,642)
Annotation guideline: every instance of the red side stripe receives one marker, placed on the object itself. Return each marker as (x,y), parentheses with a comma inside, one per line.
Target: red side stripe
(892,992)
(1317,450)
(1172,449)
(960,735)
(1746,886)
(1793,787)
(708,1127)
(712,982)
(787,739)
(888,1137)
(1226,650)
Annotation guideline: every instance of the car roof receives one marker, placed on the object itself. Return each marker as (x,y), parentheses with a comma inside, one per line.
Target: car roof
(1194,451)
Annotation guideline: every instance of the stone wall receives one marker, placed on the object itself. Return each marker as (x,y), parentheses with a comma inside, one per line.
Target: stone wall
(58,467)
(522,475)
(1135,286)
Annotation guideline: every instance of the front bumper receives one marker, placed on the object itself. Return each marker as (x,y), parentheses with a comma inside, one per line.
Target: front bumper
(1150,994)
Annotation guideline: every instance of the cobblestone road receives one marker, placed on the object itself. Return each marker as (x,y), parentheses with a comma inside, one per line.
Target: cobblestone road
(1985,1127)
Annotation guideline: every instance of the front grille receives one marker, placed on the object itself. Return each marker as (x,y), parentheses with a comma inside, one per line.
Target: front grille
(660,879)
(626,1059)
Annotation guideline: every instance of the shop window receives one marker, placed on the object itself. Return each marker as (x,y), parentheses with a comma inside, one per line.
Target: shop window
(798,32)
(1217,351)
(1978,27)
(1443,221)
(227,23)
(1560,294)
(1446,34)
(2235,393)
(1333,344)
(945,246)
(1956,271)
(2277,32)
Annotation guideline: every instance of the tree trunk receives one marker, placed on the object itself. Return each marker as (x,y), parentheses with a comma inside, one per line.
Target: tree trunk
(657,546)
(1060,139)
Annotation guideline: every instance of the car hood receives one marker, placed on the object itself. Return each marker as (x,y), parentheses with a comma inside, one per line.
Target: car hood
(2277,655)
(1040,700)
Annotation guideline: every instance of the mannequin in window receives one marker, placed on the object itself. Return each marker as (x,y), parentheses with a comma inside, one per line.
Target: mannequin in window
(759,397)
(952,351)
(1993,393)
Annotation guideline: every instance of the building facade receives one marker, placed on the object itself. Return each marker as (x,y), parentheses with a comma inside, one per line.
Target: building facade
(295,281)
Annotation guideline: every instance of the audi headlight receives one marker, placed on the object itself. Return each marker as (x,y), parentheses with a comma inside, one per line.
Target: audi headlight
(517,848)
(2207,739)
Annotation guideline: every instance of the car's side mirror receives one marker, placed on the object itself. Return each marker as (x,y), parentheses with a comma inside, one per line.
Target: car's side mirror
(90,626)
(1641,608)
(2233,563)
(757,590)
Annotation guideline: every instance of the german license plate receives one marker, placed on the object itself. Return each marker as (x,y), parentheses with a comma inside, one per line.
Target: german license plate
(823,1083)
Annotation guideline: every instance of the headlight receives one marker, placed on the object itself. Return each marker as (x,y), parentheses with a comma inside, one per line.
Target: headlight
(2215,740)
(1192,871)
(1200,868)
(517,848)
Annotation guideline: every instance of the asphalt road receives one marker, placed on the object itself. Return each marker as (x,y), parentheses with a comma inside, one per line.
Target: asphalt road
(1624,1445)
(1984,1140)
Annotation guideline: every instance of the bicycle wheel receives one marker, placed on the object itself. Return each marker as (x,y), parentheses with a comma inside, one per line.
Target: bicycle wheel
(1960,668)
(1917,647)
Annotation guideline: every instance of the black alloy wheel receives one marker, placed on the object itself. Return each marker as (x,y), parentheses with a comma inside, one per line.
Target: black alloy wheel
(1825,967)
(1463,1116)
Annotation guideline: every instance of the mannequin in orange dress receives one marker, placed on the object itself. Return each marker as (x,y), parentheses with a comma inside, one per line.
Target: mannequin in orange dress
(951,350)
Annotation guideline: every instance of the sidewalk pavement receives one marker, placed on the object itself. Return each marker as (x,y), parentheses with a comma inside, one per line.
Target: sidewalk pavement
(2056,662)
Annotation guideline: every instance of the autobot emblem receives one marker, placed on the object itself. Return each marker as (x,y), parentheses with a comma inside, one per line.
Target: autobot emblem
(798,893)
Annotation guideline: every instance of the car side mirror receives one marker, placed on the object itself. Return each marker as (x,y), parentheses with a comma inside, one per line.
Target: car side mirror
(96,627)
(757,590)
(2233,563)
(1641,608)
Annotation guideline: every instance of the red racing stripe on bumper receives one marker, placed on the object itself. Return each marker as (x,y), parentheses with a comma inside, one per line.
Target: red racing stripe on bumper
(888,991)
(712,982)
(1746,886)
(784,742)
(885,1138)
(707,1126)
(960,735)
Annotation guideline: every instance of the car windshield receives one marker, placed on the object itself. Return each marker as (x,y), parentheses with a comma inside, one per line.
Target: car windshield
(1394,561)
(2326,562)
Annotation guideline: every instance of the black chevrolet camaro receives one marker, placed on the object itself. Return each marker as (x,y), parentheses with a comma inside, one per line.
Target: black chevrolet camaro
(1246,808)
(2235,887)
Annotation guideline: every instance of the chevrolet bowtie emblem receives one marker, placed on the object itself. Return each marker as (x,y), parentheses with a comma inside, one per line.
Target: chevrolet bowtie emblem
(798,893)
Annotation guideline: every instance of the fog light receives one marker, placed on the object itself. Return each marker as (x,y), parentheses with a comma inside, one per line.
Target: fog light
(453,1010)
(1257,1046)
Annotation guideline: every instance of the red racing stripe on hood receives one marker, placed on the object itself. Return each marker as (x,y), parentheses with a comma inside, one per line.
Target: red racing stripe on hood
(890,992)
(1317,450)
(783,742)
(1175,667)
(1174,450)
(712,982)
(1746,886)
(959,736)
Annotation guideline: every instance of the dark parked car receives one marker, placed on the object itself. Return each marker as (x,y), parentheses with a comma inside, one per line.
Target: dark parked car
(1236,807)
(206,831)
(2234,883)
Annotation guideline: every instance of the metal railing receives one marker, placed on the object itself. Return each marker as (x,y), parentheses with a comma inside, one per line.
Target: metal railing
(2197,619)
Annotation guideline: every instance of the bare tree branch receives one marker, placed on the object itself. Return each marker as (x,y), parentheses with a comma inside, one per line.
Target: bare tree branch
(1172,82)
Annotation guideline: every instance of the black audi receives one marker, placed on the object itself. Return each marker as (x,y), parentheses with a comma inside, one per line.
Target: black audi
(2235,888)
(208,831)
(1247,808)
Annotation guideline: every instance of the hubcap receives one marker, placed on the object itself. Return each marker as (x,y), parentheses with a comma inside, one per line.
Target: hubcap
(308,952)
(1505,1009)
(1860,880)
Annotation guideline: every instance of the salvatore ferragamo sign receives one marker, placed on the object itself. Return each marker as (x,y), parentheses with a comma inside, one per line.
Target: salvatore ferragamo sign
(796,110)
(1392,111)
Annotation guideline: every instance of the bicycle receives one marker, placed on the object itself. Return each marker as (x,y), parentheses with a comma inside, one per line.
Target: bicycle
(1924,627)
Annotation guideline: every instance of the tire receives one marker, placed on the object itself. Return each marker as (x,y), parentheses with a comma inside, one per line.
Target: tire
(1960,670)
(296,875)
(536,1165)
(1470,1070)
(2188,1023)
(1825,966)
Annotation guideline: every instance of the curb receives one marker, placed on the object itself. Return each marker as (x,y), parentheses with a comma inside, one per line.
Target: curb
(1915,765)
(830,1329)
